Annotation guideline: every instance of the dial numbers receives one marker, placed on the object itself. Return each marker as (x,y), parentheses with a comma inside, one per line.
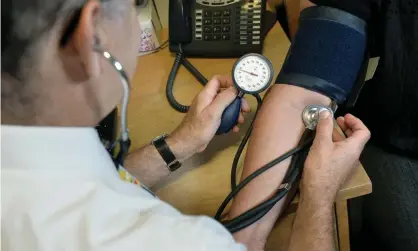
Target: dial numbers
(252,73)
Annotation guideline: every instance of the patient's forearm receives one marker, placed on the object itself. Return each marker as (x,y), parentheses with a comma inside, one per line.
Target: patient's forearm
(278,128)
(313,227)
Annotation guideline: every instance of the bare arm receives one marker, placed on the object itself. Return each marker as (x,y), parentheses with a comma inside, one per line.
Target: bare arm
(147,164)
(313,227)
(278,128)
(331,159)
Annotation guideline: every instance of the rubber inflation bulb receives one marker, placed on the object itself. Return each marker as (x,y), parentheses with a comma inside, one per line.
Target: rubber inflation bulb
(230,116)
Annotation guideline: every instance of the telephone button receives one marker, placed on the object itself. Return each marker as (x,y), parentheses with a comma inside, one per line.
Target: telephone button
(217,13)
(207,37)
(244,32)
(207,13)
(226,21)
(226,37)
(226,13)
(217,29)
(216,21)
(207,21)
(207,29)
(226,29)
(216,37)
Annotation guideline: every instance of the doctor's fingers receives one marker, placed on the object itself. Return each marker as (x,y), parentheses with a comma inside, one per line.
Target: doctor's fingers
(212,89)
(222,101)
(360,133)
(241,118)
(341,123)
(216,84)
(245,106)
(324,129)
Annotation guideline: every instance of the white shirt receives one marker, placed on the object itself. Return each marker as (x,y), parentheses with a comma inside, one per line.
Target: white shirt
(61,191)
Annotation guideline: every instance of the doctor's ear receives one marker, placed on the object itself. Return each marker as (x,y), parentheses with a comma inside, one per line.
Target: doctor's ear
(79,40)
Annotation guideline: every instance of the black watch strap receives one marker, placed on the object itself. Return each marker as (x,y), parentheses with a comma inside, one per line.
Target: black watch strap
(162,147)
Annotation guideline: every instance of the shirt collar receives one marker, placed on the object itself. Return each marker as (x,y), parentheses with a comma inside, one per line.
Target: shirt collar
(54,148)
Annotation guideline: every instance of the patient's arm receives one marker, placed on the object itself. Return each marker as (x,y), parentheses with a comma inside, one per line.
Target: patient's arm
(278,128)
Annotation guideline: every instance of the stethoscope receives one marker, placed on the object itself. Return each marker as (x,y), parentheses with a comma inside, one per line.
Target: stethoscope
(252,74)
(124,141)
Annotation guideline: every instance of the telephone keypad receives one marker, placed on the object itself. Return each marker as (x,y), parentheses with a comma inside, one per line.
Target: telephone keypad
(216,25)
(226,29)
(226,37)
(228,25)
(216,21)
(217,13)
(216,37)
(207,21)
(226,13)
(248,24)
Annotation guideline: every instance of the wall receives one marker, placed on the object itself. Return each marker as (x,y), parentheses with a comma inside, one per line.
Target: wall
(162,8)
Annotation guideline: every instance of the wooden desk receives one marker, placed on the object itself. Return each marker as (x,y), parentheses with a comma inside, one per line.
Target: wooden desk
(200,186)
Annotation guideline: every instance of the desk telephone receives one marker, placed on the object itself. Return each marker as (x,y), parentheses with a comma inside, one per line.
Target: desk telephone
(216,28)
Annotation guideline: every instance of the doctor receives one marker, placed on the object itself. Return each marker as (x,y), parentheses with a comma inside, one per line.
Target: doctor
(60,187)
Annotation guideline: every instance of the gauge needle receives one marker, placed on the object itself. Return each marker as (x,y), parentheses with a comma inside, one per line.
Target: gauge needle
(252,74)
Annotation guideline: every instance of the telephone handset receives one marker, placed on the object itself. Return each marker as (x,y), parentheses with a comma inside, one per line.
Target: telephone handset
(216,28)
(180,22)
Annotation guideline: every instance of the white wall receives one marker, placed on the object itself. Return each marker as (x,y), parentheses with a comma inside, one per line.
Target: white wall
(162,8)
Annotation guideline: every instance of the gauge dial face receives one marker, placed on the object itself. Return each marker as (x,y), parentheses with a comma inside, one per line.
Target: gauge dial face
(252,73)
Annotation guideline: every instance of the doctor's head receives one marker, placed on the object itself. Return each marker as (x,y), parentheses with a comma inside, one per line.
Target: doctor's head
(50,72)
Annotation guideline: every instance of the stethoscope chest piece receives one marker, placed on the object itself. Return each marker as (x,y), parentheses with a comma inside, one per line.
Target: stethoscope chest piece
(310,115)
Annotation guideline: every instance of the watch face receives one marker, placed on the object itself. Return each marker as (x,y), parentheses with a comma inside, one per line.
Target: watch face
(162,136)
(174,166)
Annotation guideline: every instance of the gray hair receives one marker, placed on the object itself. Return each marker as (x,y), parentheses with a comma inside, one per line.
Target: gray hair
(24,24)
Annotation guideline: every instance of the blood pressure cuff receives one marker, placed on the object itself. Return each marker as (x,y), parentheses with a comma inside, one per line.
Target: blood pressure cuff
(327,52)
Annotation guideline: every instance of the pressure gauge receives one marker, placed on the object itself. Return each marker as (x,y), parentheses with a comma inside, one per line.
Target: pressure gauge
(252,73)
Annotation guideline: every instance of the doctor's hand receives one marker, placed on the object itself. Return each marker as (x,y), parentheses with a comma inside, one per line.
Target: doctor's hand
(332,157)
(204,117)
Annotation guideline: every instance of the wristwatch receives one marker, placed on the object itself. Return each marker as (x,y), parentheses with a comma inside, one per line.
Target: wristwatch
(161,145)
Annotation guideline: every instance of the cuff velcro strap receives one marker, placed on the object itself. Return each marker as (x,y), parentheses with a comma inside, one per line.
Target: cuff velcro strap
(326,53)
